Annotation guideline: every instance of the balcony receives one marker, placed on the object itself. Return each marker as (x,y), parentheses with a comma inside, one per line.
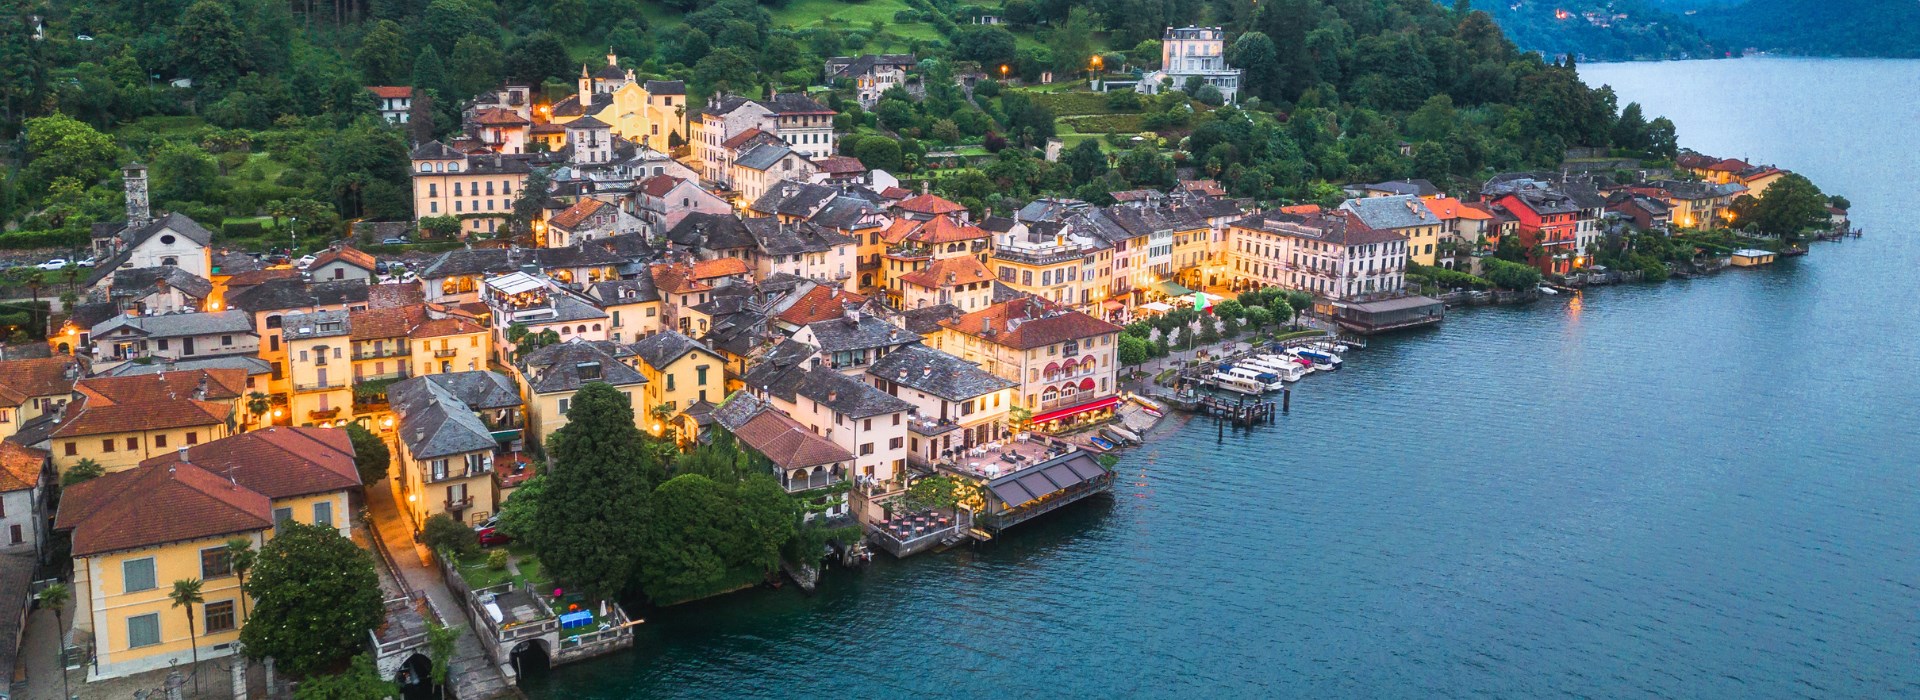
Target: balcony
(1069,401)
(817,480)
(443,354)
(458,505)
(320,385)
(1039,257)
(380,352)
(324,414)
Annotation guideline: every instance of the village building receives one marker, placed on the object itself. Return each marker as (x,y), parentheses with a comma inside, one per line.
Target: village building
(118,421)
(175,336)
(31,388)
(342,262)
(662,201)
(652,113)
(1403,214)
(870,75)
(809,466)
(394,102)
(853,341)
(1062,360)
(632,307)
(680,372)
(861,419)
(1187,53)
(159,290)
(23,499)
(553,374)
(1323,254)
(956,404)
(453,428)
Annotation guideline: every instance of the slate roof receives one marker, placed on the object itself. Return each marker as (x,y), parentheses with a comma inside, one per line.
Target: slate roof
(793,198)
(926,320)
(581,254)
(703,231)
(177,325)
(628,291)
(923,368)
(1414,187)
(774,238)
(1398,211)
(665,87)
(1332,227)
(434,422)
(845,212)
(570,365)
(480,390)
(1029,323)
(1144,221)
(179,224)
(738,408)
(468,261)
(846,395)
(292,293)
(252,366)
(840,165)
(148,506)
(661,349)
(278,462)
(142,280)
(786,103)
(763,156)
(866,331)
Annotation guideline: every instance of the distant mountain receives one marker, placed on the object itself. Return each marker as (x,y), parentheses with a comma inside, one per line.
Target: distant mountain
(1885,28)
(1602,30)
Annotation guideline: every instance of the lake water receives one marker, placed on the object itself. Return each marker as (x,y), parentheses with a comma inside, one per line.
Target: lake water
(1696,489)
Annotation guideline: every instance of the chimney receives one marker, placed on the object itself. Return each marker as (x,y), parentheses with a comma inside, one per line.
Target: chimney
(183,455)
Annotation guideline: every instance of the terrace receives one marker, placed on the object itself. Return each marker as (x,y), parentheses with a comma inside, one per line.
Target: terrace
(996,458)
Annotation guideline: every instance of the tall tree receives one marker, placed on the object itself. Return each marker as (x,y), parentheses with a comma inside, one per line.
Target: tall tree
(186,594)
(1255,54)
(370,454)
(476,66)
(429,74)
(594,507)
(1790,206)
(315,596)
(382,56)
(208,46)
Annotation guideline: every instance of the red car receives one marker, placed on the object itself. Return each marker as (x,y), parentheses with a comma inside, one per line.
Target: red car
(493,537)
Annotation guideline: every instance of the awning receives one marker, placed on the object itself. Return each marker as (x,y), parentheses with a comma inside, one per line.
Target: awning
(1082,408)
(1156,307)
(1115,304)
(1173,289)
(1052,476)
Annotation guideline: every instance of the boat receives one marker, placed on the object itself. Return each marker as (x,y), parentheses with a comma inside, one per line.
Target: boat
(1236,384)
(1269,380)
(1320,359)
(1287,368)
(1102,443)
(1544,289)
(1120,434)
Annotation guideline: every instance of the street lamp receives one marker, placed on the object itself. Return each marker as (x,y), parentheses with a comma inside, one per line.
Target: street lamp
(1003,72)
(1093,67)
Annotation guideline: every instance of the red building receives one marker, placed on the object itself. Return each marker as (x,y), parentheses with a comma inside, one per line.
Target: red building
(1547,219)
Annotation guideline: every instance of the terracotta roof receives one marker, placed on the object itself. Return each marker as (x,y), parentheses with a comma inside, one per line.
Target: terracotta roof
(277,462)
(1730,165)
(1301,209)
(930,204)
(87,420)
(659,185)
(436,327)
(577,213)
(221,384)
(718,267)
(1450,208)
(346,254)
(743,138)
(385,323)
(499,117)
(147,506)
(839,165)
(939,229)
(391,92)
(1028,323)
(822,303)
(676,278)
(41,376)
(20,466)
(896,192)
(787,443)
(947,272)
(253,277)
(152,401)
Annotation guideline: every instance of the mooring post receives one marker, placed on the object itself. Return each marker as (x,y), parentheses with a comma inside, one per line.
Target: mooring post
(1286,399)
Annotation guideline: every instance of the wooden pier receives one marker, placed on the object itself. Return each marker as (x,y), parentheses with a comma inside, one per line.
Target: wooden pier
(1242,413)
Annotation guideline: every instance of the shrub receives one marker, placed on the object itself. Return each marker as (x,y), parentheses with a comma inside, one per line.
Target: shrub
(497,560)
(444,534)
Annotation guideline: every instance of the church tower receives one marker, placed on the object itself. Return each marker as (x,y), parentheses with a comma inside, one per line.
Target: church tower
(138,211)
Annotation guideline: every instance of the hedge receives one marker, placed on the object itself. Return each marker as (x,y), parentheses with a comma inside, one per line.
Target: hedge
(48,238)
(1109,124)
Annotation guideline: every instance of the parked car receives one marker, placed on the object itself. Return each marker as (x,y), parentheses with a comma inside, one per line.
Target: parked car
(305,261)
(54,264)
(85,262)
(489,533)
(402,240)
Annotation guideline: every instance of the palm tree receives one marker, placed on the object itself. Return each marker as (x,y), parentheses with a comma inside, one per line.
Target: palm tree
(186,594)
(241,555)
(257,404)
(56,597)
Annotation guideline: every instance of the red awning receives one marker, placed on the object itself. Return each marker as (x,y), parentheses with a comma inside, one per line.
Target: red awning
(1082,408)
(1086,384)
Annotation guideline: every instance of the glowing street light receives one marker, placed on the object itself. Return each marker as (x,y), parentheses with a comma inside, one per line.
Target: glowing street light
(1003,71)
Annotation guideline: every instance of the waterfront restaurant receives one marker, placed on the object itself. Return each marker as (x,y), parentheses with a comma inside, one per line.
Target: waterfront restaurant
(1042,488)
(1369,317)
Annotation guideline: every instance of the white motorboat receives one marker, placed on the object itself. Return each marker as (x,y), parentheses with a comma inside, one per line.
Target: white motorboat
(1269,380)
(1232,383)
(1287,369)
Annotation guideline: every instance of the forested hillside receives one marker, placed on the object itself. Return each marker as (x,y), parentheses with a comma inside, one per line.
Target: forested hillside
(1885,28)
(1610,30)
(276,123)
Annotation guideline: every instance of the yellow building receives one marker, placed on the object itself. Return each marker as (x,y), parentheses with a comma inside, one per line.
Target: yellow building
(652,113)
(319,368)
(632,306)
(680,373)
(34,387)
(119,421)
(478,189)
(553,374)
(136,532)
(453,429)
(1406,215)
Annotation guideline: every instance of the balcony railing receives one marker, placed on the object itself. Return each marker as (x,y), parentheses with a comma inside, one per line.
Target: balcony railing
(449,352)
(380,352)
(817,481)
(455,505)
(1038,257)
(325,414)
(1075,400)
(330,383)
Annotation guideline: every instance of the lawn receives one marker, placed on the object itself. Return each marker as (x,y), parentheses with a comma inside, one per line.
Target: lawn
(164,127)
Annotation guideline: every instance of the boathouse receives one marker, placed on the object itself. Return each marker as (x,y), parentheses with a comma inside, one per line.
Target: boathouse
(1752,257)
(1369,317)
(1042,488)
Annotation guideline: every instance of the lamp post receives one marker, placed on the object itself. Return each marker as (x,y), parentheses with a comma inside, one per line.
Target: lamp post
(1003,72)
(1093,67)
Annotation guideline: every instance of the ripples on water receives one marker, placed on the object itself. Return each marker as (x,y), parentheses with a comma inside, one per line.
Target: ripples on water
(1698,489)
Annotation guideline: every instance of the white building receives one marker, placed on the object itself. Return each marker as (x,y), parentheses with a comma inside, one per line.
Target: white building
(394,102)
(1193,52)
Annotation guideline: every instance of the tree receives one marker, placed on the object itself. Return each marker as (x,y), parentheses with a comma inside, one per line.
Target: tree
(208,46)
(986,44)
(1072,41)
(1661,141)
(1134,350)
(360,681)
(594,508)
(933,492)
(240,558)
(1259,316)
(182,173)
(727,69)
(443,533)
(429,74)
(441,642)
(1255,54)
(537,58)
(446,226)
(878,153)
(61,146)
(1085,161)
(446,21)
(1789,207)
(1630,132)
(186,594)
(55,597)
(683,552)
(530,204)
(1511,275)
(315,595)
(475,66)
(520,516)
(81,471)
(370,454)
(382,56)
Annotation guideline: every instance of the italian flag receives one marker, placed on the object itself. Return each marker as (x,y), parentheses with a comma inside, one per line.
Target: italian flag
(1202,303)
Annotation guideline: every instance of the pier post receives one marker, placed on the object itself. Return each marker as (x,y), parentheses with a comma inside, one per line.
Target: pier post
(1286,399)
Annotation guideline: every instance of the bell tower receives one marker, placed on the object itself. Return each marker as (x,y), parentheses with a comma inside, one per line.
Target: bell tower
(138,211)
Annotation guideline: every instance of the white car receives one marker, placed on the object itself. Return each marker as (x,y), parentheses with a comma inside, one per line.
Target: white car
(84,262)
(54,264)
(304,261)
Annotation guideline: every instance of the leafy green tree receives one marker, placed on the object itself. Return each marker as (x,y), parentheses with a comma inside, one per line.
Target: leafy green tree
(1259,316)
(382,56)
(933,492)
(594,508)
(360,681)
(1630,132)
(529,204)
(443,533)
(1789,207)
(878,153)
(446,226)
(765,518)
(1661,141)
(208,46)
(61,146)
(1511,275)
(987,45)
(1255,54)
(445,21)
(315,596)
(520,515)
(182,173)
(538,57)
(475,65)
(1072,41)
(686,539)
(429,73)
(1134,350)
(725,70)
(1085,161)
(370,454)
(81,471)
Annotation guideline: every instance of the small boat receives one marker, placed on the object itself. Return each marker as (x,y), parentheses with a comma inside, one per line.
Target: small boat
(1269,380)
(1120,434)
(1241,385)
(1102,443)
(1544,289)
(1320,359)
(1288,369)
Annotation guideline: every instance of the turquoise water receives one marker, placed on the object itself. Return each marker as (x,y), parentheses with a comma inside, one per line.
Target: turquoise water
(1698,489)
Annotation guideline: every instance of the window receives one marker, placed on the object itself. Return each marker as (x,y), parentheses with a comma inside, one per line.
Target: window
(106,445)
(281,515)
(15,534)
(143,630)
(72,448)
(219,616)
(226,340)
(894,444)
(866,448)
(193,437)
(669,382)
(323,513)
(215,562)
(137,575)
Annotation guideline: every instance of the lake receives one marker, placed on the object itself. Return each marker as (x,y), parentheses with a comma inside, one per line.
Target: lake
(1705,488)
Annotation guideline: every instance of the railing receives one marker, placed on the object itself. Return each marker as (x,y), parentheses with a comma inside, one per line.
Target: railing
(380,352)
(449,352)
(1032,258)
(799,485)
(324,414)
(340,383)
(459,504)
(1085,397)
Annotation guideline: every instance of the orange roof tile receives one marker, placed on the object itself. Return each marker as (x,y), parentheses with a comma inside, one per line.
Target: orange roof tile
(947,272)
(573,215)
(1041,323)
(939,229)
(676,278)
(41,376)
(277,462)
(719,267)
(152,401)
(346,254)
(743,138)
(20,466)
(147,506)
(659,185)
(436,327)
(930,204)
(499,117)
(394,322)
(1301,209)
(822,303)
(1451,208)
(391,92)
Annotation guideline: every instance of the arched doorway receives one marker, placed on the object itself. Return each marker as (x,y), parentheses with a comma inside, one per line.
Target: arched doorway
(529,658)
(416,679)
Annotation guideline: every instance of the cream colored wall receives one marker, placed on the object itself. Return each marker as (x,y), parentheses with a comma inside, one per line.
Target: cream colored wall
(686,388)
(630,322)
(466,352)
(108,606)
(121,459)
